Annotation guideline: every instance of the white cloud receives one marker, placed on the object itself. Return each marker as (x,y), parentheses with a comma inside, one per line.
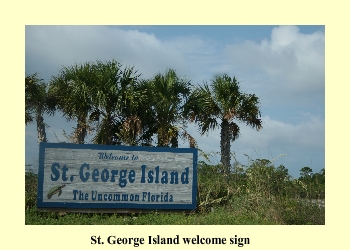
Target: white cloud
(307,134)
(50,47)
(289,66)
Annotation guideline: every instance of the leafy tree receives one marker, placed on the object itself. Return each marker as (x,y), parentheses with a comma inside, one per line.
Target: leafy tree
(322,172)
(280,180)
(314,183)
(36,104)
(306,178)
(221,104)
(305,172)
(319,181)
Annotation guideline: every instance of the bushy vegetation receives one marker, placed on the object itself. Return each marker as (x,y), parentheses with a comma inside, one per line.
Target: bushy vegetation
(262,191)
(31,185)
(258,194)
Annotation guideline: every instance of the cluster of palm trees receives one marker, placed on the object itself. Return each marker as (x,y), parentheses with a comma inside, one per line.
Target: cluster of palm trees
(119,107)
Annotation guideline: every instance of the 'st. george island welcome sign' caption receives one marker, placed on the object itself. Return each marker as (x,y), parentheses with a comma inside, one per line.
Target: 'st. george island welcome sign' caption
(85,177)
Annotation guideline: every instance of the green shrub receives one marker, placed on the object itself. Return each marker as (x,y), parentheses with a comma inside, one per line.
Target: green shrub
(214,188)
(301,212)
(31,186)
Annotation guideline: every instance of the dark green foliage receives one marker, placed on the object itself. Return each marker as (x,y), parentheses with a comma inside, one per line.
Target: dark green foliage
(313,184)
(31,186)
(167,94)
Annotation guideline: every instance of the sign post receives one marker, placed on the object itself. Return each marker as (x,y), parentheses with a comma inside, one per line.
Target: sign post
(109,178)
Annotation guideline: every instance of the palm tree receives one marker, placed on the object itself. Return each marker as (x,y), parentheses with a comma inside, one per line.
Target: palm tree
(73,90)
(167,95)
(223,104)
(140,124)
(36,104)
(115,99)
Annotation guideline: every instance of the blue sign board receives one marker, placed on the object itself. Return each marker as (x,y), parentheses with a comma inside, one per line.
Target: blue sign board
(90,176)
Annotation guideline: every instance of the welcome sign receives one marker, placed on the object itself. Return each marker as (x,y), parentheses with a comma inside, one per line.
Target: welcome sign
(89,176)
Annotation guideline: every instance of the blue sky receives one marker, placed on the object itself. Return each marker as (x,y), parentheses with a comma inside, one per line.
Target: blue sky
(283,65)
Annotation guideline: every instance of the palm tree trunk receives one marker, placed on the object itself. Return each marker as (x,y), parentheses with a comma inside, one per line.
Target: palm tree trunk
(80,132)
(161,139)
(175,141)
(162,134)
(109,129)
(40,126)
(225,145)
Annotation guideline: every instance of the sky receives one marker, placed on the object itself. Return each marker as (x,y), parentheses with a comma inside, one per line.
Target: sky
(283,65)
